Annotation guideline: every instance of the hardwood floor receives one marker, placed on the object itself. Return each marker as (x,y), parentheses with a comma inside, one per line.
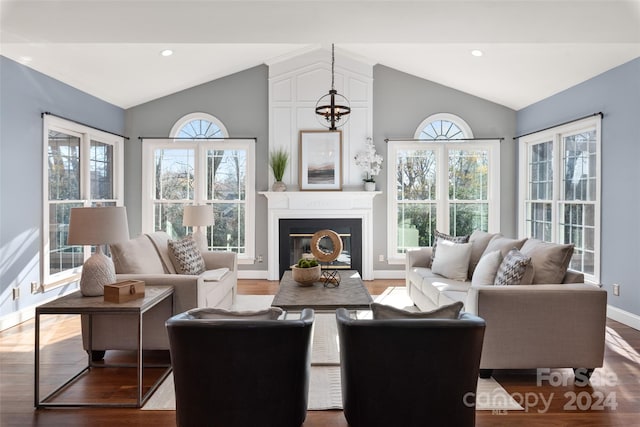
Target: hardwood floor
(611,399)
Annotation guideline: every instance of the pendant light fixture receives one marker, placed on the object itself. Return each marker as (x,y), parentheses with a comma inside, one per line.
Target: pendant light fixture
(332,110)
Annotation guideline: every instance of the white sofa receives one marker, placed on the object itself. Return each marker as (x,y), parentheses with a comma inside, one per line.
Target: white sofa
(147,258)
(538,325)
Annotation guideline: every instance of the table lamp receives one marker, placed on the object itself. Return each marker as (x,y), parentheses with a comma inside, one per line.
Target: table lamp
(97,226)
(198,216)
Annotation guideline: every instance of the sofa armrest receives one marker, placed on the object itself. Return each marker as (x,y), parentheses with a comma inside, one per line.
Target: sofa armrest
(419,258)
(184,287)
(573,277)
(220,259)
(530,326)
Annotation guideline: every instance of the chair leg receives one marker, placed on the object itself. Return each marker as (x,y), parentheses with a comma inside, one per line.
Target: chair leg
(486,373)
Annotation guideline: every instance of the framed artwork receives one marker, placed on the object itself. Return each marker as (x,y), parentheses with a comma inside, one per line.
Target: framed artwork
(320,160)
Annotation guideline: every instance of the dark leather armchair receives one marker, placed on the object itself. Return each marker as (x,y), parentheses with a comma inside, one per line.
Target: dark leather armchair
(240,372)
(409,372)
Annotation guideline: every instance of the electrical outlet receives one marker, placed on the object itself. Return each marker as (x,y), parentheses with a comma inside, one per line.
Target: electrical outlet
(260,259)
(16,293)
(381,258)
(616,289)
(35,287)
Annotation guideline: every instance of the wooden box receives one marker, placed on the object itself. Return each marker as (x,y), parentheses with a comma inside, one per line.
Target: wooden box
(126,290)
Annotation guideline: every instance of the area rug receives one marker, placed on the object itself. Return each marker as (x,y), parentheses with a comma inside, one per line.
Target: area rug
(325,390)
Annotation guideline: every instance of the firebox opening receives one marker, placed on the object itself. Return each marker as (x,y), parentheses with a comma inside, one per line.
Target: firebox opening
(295,238)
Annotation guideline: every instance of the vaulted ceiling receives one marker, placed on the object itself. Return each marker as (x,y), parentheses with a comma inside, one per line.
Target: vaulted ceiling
(530,49)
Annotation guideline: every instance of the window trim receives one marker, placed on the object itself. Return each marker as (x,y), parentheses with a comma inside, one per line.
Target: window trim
(556,135)
(200,147)
(86,134)
(441,148)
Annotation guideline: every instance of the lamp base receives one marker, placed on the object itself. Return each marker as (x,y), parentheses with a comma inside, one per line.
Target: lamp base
(97,271)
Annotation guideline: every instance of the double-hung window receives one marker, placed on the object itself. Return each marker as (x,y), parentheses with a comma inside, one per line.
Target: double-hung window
(444,180)
(84,167)
(560,190)
(199,164)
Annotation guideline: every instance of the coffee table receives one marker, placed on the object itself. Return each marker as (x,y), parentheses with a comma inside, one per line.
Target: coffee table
(351,294)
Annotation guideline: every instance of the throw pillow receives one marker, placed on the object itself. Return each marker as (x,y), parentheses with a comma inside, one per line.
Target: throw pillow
(453,260)
(487,269)
(550,260)
(438,235)
(186,256)
(512,268)
(479,239)
(386,312)
(136,256)
(503,244)
(271,313)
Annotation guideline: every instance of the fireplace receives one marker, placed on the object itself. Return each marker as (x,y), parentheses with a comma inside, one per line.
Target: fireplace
(295,237)
(326,206)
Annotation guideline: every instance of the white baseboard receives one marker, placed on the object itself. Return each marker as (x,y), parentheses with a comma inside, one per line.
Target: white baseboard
(629,319)
(12,319)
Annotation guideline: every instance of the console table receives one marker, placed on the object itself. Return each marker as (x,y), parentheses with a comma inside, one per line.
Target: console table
(75,303)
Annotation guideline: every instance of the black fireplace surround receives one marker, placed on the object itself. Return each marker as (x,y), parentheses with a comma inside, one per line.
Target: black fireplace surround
(347,226)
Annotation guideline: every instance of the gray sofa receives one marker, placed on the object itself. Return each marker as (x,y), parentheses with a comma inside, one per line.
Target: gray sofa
(538,325)
(146,258)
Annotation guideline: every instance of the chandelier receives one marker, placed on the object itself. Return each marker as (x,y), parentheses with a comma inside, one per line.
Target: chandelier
(332,109)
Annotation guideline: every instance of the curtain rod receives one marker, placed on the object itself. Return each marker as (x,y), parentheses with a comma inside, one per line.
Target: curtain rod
(561,124)
(82,124)
(186,138)
(440,140)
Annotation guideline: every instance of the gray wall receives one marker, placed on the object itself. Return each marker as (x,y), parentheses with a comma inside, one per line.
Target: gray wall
(616,93)
(240,101)
(401,102)
(24,95)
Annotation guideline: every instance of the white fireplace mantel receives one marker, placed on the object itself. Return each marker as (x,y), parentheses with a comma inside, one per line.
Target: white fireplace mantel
(320,204)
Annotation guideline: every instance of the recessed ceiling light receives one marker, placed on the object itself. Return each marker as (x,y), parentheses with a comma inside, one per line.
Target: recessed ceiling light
(476,52)
(166,52)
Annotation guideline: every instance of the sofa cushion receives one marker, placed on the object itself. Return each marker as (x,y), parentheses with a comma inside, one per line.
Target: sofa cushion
(436,286)
(503,244)
(452,261)
(438,235)
(271,313)
(512,268)
(479,240)
(136,256)
(487,269)
(186,256)
(549,260)
(386,312)
(160,240)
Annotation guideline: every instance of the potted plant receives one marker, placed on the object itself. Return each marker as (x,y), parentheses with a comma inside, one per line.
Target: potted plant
(371,162)
(306,272)
(278,160)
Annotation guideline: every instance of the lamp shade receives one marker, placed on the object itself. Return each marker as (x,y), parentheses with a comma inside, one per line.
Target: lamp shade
(198,215)
(98,225)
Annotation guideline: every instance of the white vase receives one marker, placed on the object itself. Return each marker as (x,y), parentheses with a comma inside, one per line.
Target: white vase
(369,186)
(279,186)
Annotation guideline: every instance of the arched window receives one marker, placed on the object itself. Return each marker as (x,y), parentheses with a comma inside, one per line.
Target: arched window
(198,163)
(443,126)
(445,181)
(198,125)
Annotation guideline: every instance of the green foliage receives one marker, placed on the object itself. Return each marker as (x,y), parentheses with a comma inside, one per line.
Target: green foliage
(307,263)
(278,160)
